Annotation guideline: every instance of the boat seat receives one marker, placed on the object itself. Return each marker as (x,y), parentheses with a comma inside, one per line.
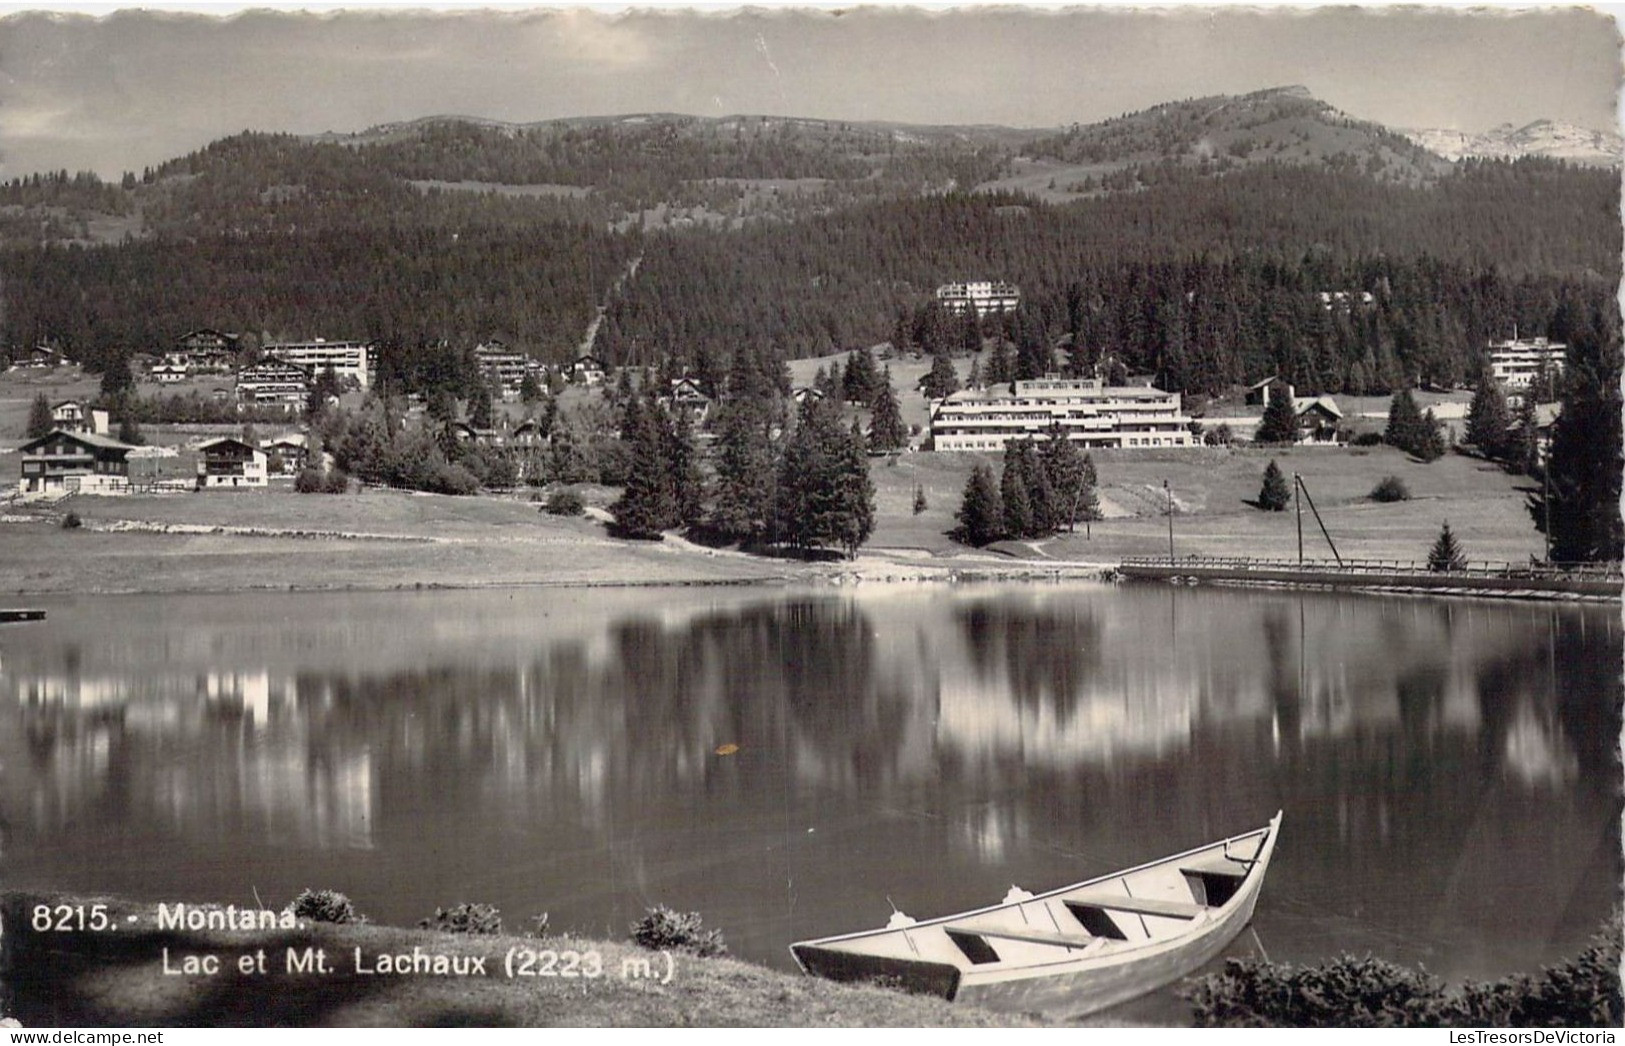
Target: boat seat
(1235,867)
(1070,940)
(1139,905)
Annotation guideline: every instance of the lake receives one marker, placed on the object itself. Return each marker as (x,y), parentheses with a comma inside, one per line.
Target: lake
(1446,767)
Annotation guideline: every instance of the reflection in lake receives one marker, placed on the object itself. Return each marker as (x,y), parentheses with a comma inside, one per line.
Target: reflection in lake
(1447,768)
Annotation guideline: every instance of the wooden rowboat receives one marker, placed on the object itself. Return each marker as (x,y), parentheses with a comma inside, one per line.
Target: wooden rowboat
(1077,949)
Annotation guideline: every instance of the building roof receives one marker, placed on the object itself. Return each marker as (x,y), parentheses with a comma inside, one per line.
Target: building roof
(218,441)
(89,439)
(1307,403)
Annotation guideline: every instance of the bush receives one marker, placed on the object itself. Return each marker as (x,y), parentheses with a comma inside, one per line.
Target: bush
(325,906)
(1583,992)
(663,929)
(1218,436)
(465,918)
(315,481)
(564,503)
(72,521)
(451,479)
(1392,488)
(1367,439)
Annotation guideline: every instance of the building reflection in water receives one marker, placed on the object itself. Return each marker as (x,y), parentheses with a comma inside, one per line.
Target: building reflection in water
(983,723)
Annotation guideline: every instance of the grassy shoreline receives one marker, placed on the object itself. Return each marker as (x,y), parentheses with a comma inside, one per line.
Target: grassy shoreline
(382,540)
(134,976)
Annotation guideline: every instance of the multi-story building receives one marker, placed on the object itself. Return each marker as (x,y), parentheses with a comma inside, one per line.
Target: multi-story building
(985,296)
(206,351)
(273,383)
(350,360)
(1516,364)
(1087,410)
(227,462)
(74,462)
(503,368)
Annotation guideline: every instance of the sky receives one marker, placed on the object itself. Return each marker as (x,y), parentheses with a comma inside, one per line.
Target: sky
(97,87)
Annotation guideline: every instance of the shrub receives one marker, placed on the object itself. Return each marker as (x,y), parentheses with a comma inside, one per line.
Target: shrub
(451,479)
(72,521)
(663,929)
(1583,992)
(564,503)
(465,918)
(920,504)
(315,481)
(1344,993)
(325,906)
(1218,436)
(1367,439)
(1391,488)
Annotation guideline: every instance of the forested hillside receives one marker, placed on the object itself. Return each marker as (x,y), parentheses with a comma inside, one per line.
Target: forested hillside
(1196,260)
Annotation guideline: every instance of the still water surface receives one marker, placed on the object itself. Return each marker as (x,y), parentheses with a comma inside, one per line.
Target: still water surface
(1446,768)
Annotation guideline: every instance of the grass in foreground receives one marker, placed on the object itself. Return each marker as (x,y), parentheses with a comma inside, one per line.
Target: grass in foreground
(117,978)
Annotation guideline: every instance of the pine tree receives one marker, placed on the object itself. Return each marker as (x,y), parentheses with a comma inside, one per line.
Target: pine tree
(1523,447)
(683,464)
(746,472)
(530,390)
(1013,493)
(941,381)
(1446,554)
(482,407)
(981,511)
(857,493)
(859,382)
(1488,418)
(973,380)
(1280,421)
(117,379)
(326,388)
(1072,491)
(1404,429)
(1276,494)
(648,504)
(1580,490)
(886,429)
(130,432)
(1430,442)
(40,422)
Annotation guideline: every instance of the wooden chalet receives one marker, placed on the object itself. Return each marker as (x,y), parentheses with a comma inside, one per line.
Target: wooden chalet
(588,369)
(75,416)
(228,462)
(74,463)
(207,350)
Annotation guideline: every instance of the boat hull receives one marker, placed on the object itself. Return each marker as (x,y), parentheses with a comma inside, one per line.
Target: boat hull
(1072,951)
(1092,987)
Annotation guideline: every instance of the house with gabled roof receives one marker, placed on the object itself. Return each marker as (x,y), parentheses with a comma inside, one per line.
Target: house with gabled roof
(74,463)
(227,462)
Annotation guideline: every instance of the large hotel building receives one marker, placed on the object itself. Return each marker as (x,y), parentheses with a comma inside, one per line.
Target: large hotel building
(1087,410)
(349,359)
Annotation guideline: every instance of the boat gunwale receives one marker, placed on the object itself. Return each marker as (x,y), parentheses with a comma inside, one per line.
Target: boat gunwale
(1250,884)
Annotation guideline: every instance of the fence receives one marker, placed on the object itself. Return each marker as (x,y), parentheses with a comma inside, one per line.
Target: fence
(1356,567)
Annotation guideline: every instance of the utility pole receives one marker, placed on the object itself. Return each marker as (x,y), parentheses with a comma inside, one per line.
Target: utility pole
(1169,491)
(1297,500)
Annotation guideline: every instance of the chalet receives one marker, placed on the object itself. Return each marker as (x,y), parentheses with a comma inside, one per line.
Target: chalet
(172,370)
(292,452)
(1258,393)
(228,462)
(74,463)
(74,416)
(466,433)
(800,393)
(1318,417)
(206,351)
(273,383)
(588,369)
(527,433)
(687,395)
(43,356)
